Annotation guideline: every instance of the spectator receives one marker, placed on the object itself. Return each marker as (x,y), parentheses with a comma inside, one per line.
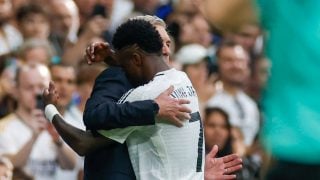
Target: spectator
(217,131)
(93,29)
(7,87)
(64,77)
(143,7)
(25,137)
(202,32)
(36,51)
(260,75)
(85,83)
(233,66)
(64,24)
(247,36)
(193,59)
(10,37)
(33,21)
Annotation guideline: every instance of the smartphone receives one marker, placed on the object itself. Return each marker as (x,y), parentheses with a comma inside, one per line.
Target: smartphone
(99,9)
(40,102)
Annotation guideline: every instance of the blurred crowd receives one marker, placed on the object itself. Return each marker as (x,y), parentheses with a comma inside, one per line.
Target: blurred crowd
(43,40)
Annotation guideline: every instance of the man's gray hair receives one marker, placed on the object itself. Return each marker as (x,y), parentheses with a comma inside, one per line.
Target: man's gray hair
(154,20)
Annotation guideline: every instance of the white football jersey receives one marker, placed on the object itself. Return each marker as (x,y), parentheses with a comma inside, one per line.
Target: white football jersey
(164,151)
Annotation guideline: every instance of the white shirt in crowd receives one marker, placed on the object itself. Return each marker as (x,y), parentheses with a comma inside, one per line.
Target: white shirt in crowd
(73,116)
(14,134)
(11,40)
(242,110)
(164,151)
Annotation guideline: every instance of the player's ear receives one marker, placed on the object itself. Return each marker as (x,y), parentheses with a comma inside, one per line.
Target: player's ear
(137,59)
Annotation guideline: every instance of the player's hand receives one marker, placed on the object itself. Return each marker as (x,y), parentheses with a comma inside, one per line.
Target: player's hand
(172,110)
(38,122)
(98,52)
(221,168)
(50,95)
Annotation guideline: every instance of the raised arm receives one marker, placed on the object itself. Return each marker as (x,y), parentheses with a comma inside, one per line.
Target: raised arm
(82,142)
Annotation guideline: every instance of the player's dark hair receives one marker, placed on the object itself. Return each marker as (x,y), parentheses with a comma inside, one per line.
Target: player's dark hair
(139,32)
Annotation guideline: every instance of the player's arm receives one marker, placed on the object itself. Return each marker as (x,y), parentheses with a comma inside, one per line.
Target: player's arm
(102,111)
(82,142)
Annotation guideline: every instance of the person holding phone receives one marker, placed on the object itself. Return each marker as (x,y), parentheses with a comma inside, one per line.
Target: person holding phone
(26,137)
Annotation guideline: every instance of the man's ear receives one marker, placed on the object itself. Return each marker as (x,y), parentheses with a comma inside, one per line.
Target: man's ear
(137,59)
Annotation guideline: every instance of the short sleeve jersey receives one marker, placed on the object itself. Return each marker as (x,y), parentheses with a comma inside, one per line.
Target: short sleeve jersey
(164,151)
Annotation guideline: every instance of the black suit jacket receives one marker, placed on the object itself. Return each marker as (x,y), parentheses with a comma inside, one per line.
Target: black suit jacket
(102,112)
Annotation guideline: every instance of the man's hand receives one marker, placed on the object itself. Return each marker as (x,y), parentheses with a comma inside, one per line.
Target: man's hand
(50,95)
(38,122)
(172,110)
(98,52)
(221,168)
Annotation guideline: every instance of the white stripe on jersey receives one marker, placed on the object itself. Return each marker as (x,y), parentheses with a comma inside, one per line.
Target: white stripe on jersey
(164,151)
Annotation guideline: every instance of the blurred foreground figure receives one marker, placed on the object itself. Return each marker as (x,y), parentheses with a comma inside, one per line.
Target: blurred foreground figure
(290,104)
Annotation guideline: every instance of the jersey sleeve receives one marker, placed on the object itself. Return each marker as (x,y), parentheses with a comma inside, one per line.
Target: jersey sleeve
(103,112)
(119,135)
(146,92)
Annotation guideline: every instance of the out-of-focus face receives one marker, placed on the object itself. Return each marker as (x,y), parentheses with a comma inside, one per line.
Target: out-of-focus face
(233,65)
(166,51)
(37,55)
(216,130)
(31,82)
(7,81)
(5,10)
(262,72)
(197,72)
(247,36)
(201,31)
(62,18)
(147,6)
(187,35)
(64,79)
(35,26)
